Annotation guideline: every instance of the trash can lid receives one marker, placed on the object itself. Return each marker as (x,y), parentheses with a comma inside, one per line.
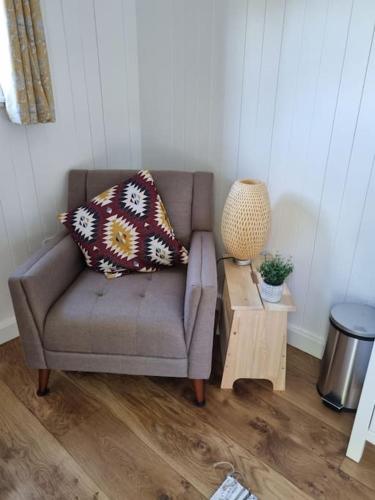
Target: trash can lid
(355,319)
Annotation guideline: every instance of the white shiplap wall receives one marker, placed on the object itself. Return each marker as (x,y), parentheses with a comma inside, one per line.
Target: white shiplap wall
(281,90)
(93,56)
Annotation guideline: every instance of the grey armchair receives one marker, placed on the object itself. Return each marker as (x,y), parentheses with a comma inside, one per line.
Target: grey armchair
(72,318)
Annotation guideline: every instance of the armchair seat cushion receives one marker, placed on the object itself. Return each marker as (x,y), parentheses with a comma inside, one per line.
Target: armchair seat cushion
(138,314)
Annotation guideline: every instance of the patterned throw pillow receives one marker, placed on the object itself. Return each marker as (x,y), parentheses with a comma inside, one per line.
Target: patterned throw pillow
(125,228)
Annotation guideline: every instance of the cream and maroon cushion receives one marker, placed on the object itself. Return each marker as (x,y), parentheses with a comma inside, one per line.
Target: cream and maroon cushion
(125,228)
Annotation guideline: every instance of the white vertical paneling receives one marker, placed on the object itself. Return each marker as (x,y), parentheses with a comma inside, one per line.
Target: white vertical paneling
(280,90)
(344,127)
(129,25)
(93,58)
(284,99)
(362,276)
(6,264)
(178,71)
(156,52)
(252,70)
(256,136)
(195,18)
(285,110)
(322,127)
(74,31)
(358,180)
(92,76)
(113,47)
(204,13)
(50,166)
(296,203)
(32,229)
(191,68)
(229,43)
(14,222)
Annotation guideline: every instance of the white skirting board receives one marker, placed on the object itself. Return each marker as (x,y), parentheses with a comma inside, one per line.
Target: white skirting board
(371,436)
(8,329)
(306,341)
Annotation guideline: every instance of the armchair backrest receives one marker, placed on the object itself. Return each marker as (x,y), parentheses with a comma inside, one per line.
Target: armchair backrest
(188,196)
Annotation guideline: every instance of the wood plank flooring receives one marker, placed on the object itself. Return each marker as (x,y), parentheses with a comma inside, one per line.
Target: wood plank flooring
(99,436)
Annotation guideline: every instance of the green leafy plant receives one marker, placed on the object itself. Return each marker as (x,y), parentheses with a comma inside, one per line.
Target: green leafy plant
(275,270)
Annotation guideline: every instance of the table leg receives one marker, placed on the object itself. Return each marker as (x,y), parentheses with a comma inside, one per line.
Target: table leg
(279,381)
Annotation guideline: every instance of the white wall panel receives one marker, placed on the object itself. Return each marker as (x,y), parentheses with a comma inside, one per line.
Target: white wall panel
(227,73)
(362,276)
(92,78)
(288,102)
(295,199)
(317,154)
(156,81)
(112,51)
(357,181)
(7,262)
(335,272)
(16,141)
(280,90)
(93,56)
(265,29)
(71,13)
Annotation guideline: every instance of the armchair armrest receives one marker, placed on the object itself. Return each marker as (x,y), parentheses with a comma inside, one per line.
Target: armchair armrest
(200,303)
(36,285)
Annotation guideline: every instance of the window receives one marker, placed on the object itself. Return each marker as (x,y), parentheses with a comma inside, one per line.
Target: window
(28,93)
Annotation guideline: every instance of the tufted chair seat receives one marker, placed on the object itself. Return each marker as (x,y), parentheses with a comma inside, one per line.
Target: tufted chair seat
(137,315)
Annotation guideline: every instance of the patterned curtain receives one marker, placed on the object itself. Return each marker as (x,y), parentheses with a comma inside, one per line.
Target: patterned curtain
(24,69)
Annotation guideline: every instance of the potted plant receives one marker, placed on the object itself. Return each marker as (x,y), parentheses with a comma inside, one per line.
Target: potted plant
(274,271)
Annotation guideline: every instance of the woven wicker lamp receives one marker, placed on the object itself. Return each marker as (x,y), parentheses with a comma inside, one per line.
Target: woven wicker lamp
(246,220)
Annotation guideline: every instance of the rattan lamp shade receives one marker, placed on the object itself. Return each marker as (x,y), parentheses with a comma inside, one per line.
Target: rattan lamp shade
(246,219)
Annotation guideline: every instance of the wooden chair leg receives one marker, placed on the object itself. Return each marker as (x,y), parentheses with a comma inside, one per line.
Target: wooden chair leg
(43,382)
(199,391)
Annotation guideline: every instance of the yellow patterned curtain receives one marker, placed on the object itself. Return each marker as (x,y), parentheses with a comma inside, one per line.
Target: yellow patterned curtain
(24,68)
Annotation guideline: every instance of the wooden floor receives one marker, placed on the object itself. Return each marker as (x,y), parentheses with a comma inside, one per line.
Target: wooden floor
(124,437)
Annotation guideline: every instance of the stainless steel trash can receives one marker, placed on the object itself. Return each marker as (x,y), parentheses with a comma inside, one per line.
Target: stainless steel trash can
(346,355)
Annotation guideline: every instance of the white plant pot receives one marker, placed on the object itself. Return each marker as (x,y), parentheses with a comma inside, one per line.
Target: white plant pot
(271,293)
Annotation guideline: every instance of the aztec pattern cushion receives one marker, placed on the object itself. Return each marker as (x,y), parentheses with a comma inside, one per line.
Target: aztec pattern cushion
(125,228)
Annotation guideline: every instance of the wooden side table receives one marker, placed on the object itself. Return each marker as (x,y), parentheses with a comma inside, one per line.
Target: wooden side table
(253,332)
